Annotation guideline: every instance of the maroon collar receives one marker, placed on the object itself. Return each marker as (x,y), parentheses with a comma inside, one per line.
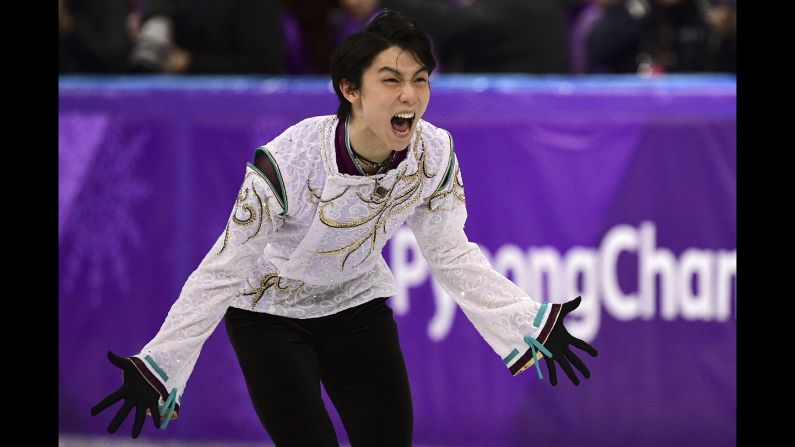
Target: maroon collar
(344,161)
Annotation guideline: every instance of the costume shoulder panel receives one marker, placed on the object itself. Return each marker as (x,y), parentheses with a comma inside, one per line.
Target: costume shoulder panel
(441,158)
(295,156)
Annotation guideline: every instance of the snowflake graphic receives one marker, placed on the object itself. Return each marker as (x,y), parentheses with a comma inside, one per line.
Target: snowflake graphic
(101,223)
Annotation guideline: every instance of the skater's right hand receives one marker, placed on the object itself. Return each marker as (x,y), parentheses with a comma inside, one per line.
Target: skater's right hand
(136,392)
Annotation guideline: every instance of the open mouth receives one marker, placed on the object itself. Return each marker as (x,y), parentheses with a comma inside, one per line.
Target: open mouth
(401,123)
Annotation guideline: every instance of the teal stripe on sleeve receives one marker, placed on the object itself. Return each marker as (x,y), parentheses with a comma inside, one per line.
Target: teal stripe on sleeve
(510,356)
(157,369)
(540,316)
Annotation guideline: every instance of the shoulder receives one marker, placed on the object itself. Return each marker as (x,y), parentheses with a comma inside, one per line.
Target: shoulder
(438,141)
(300,142)
(287,161)
(434,134)
(438,147)
(442,160)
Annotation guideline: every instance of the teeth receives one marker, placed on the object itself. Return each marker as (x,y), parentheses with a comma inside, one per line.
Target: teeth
(407,115)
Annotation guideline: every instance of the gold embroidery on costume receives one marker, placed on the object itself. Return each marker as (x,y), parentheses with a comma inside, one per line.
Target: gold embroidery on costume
(337,196)
(314,193)
(263,211)
(251,213)
(395,201)
(242,196)
(265,283)
(456,189)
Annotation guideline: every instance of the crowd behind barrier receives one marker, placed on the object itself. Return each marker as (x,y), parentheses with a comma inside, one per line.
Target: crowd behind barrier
(469,36)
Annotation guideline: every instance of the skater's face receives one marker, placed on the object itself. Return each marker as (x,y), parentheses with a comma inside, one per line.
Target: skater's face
(394,94)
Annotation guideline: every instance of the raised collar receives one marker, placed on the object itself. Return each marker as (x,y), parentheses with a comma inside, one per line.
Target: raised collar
(329,153)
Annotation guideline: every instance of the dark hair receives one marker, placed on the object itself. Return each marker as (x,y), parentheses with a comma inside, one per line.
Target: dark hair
(388,28)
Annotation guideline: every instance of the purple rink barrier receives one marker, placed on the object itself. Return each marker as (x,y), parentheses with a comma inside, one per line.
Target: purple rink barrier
(619,189)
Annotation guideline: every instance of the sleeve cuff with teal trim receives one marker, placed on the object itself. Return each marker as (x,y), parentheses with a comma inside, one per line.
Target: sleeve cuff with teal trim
(526,360)
(154,382)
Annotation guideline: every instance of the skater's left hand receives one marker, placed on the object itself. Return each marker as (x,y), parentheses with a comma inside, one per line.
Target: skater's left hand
(558,344)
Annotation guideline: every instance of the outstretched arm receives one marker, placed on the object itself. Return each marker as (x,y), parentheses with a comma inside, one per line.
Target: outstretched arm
(519,329)
(155,378)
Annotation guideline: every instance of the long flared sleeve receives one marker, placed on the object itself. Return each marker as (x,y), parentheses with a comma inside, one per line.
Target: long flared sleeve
(168,359)
(514,325)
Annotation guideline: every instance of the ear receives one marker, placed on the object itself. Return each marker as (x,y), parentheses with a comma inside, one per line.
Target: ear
(349,93)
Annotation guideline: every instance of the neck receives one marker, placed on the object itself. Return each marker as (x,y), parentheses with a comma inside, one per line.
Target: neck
(365,143)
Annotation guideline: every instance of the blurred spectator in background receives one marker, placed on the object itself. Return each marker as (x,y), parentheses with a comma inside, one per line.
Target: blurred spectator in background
(487,36)
(618,35)
(310,36)
(580,28)
(661,36)
(211,37)
(722,39)
(469,36)
(96,36)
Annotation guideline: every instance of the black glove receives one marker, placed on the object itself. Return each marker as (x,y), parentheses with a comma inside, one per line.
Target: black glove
(136,392)
(558,344)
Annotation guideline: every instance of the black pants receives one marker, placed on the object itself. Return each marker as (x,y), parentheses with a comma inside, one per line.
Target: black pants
(357,356)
